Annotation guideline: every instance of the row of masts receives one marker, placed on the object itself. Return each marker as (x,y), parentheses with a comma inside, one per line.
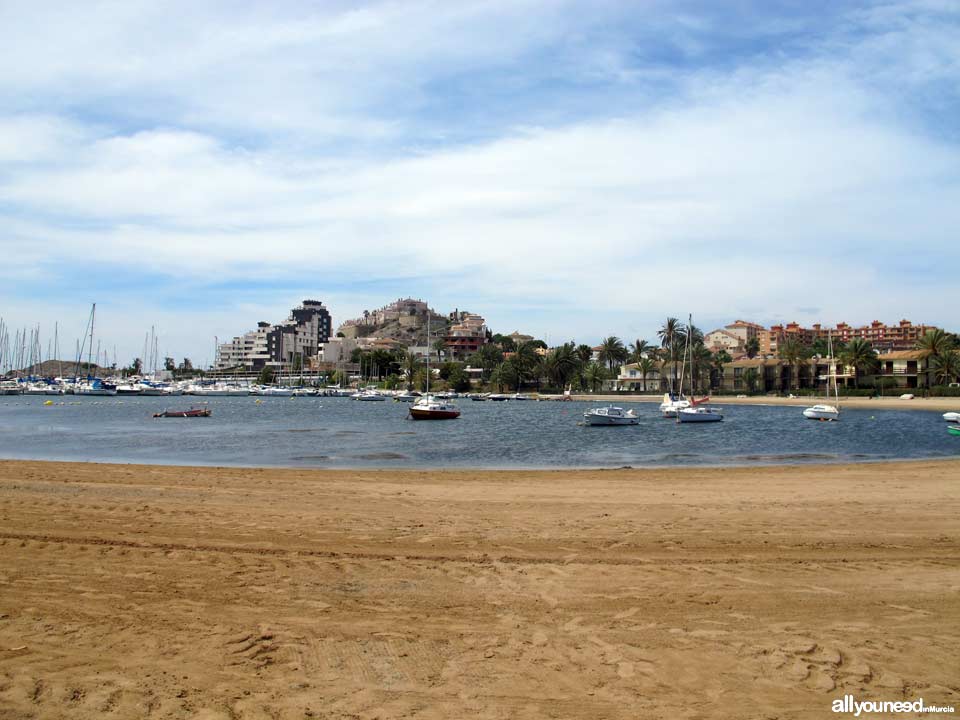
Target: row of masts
(22,351)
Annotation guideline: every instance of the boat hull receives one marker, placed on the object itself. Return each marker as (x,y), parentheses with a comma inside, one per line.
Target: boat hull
(203,412)
(599,420)
(953,429)
(424,414)
(699,417)
(952,417)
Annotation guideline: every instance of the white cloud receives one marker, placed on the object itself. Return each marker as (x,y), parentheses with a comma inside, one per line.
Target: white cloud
(774,185)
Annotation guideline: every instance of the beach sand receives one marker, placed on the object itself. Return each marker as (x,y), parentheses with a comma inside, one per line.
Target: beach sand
(169,592)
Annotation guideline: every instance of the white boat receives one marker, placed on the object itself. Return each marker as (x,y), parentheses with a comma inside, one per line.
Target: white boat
(672,404)
(518,396)
(825,411)
(822,412)
(96,387)
(699,414)
(610,416)
(498,397)
(952,417)
(406,397)
(369,396)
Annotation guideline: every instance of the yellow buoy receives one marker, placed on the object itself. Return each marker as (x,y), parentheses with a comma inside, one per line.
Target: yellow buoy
(48,402)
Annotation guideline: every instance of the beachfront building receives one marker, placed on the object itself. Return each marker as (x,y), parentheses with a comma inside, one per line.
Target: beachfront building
(901,369)
(466,335)
(631,378)
(298,337)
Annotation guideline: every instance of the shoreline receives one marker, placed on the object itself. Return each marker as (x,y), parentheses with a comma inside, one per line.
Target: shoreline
(778,461)
(936,404)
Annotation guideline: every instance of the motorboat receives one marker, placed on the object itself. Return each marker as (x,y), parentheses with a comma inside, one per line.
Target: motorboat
(518,396)
(406,397)
(952,417)
(953,429)
(478,397)
(610,415)
(96,387)
(432,408)
(699,414)
(192,412)
(822,412)
(368,396)
(498,397)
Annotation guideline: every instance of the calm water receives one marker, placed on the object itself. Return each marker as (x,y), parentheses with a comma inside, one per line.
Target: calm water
(339,432)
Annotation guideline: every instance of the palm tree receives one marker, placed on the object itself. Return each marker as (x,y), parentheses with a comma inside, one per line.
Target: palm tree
(612,352)
(595,375)
(719,359)
(752,347)
(440,345)
(672,337)
(751,377)
(645,366)
(525,359)
(638,350)
(859,355)
(792,352)
(561,364)
(946,367)
(935,342)
(410,365)
(487,358)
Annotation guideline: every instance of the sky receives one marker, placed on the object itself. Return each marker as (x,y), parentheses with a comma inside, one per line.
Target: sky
(571,170)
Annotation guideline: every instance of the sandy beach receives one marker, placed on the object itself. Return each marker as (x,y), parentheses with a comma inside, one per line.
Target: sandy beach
(161,592)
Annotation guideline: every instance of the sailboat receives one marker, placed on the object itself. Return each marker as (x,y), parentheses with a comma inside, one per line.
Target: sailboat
(430,407)
(826,412)
(690,411)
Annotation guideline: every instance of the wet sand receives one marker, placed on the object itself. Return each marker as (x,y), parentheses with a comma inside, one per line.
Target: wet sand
(160,592)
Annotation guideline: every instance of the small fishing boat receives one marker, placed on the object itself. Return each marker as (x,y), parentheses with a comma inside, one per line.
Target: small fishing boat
(610,415)
(822,412)
(430,408)
(498,397)
(192,412)
(953,429)
(699,415)
(952,417)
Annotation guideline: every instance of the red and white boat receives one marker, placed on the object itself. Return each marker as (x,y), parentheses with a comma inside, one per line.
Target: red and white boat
(430,408)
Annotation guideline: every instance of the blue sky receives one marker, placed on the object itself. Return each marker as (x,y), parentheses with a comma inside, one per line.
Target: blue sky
(568,169)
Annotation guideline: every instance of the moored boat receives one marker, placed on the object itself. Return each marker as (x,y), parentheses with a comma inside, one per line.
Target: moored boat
(430,408)
(610,415)
(699,414)
(952,417)
(192,412)
(953,429)
(822,412)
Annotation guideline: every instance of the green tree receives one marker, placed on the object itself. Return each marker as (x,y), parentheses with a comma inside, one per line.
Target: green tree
(525,359)
(561,364)
(266,376)
(639,349)
(645,365)
(859,355)
(440,346)
(946,367)
(719,359)
(793,353)
(410,366)
(595,375)
(751,378)
(752,347)
(935,342)
(136,367)
(487,358)
(169,364)
(612,352)
(457,378)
